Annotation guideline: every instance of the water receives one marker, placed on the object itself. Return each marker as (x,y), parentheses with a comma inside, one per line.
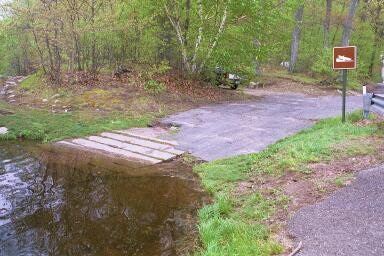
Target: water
(57,206)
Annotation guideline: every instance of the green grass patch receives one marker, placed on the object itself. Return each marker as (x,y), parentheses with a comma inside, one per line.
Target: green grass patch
(224,231)
(36,124)
(37,84)
(343,180)
(296,77)
(235,224)
(32,82)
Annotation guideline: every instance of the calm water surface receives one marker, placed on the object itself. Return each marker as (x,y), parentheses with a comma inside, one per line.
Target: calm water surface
(49,208)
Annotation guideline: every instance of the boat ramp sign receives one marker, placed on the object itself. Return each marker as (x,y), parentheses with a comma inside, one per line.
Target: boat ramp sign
(344,57)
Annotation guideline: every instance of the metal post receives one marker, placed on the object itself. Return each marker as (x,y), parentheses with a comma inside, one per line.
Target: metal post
(367,102)
(382,69)
(345,73)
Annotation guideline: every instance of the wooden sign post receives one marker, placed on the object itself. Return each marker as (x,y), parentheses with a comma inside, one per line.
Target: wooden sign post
(344,58)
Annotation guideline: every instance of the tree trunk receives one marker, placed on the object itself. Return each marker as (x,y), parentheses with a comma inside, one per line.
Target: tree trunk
(348,22)
(187,21)
(327,23)
(373,56)
(296,38)
(93,53)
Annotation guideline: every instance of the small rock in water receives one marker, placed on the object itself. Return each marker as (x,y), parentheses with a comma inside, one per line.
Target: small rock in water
(3,130)
(45,100)
(12,101)
(11,96)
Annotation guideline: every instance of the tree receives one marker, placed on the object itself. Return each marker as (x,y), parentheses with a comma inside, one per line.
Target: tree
(373,11)
(348,22)
(327,22)
(195,58)
(296,38)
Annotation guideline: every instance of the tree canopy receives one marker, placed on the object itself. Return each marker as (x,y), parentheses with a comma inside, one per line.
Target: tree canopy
(68,36)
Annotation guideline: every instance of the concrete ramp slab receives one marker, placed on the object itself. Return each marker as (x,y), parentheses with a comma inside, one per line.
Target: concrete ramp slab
(145,147)
(132,148)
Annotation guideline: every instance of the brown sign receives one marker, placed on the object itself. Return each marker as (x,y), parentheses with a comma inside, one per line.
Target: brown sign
(344,57)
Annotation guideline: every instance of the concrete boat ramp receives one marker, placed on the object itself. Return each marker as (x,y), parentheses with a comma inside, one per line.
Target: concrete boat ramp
(143,145)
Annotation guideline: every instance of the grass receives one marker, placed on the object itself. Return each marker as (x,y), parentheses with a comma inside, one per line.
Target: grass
(32,82)
(353,82)
(296,77)
(235,224)
(36,124)
(343,180)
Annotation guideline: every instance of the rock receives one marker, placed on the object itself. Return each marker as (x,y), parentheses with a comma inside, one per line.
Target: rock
(56,101)
(45,100)
(11,96)
(10,83)
(11,101)
(20,79)
(55,96)
(254,85)
(3,130)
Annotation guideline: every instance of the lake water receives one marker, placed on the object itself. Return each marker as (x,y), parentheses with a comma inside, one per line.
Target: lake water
(63,204)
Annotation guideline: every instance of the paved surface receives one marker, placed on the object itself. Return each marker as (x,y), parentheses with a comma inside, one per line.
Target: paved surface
(140,145)
(349,223)
(225,130)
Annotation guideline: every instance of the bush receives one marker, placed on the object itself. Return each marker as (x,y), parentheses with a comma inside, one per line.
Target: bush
(162,68)
(154,86)
(323,64)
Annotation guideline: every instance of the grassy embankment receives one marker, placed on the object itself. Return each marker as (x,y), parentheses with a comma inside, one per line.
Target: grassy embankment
(35,123)
(317,80)
(237,222)
(51,113)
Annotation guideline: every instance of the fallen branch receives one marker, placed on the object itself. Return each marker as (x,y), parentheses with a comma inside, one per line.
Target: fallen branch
(298,248)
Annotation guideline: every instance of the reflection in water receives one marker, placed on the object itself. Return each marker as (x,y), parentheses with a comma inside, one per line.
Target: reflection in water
(55,210)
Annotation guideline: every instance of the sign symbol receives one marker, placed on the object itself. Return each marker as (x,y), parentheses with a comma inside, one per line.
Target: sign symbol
(341,58)
(344,57)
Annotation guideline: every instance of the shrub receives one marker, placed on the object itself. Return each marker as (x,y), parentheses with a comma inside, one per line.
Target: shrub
(323,64)
(162,68)
(154,86)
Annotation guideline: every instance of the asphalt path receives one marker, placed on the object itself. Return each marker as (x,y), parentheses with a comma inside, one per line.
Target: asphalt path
(225,130)
(350,222)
